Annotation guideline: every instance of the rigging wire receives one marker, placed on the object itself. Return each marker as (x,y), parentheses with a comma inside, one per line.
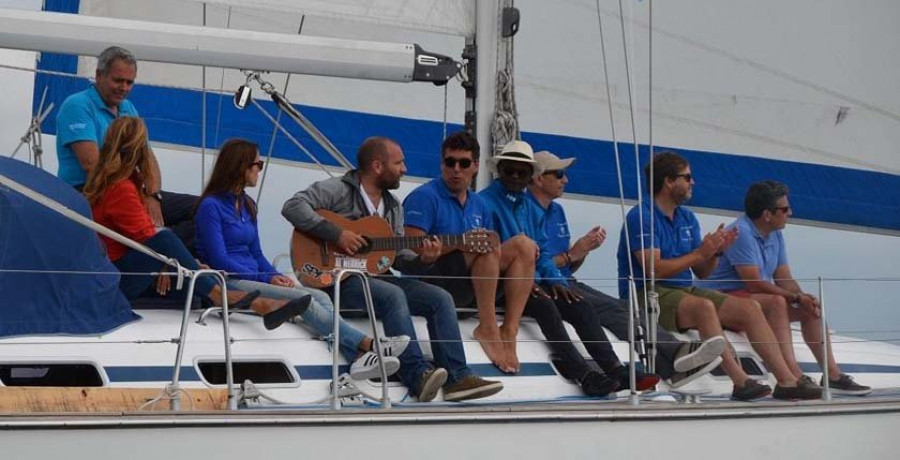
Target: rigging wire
(222,87)
(287,82)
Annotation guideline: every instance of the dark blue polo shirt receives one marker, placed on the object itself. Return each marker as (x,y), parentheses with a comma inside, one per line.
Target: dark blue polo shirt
(673,237)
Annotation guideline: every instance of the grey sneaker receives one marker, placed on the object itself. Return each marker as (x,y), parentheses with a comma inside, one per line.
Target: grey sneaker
(430,382)
(471,387)
(680,379)
(692,355)
(846,386)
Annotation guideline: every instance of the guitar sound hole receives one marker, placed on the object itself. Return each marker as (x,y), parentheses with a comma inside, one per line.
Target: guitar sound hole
(368,246)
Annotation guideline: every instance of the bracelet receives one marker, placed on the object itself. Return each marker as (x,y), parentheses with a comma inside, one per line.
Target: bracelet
(567,258)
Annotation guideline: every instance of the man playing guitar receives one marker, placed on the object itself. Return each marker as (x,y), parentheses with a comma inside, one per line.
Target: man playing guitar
(366,192)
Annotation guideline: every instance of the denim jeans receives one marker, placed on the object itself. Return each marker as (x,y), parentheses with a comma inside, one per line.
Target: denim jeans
(140,285)
(394,300)
(613,314)
(319,316)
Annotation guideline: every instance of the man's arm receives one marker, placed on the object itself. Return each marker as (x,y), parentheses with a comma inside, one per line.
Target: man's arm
(666,268)
(87,153)
(299,210)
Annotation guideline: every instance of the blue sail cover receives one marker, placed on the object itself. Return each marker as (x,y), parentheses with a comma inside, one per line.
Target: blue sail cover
(34,240)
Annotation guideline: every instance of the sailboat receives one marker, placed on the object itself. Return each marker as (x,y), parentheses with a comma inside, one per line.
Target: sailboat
(714,94)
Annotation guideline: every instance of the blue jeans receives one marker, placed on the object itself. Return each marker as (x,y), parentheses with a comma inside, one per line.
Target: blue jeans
(319,316)
(394,300)
(143,285)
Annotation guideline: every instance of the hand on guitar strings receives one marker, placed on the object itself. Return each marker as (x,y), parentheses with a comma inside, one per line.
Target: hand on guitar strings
(431,250)
(350,242)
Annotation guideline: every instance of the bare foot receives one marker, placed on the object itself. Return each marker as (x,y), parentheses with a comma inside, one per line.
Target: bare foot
(509,343)
(493,347)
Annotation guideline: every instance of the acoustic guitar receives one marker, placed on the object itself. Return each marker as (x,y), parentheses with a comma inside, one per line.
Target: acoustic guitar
(314,260)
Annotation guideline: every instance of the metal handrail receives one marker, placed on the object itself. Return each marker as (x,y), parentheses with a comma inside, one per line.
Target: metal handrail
(175,402)
(376,341)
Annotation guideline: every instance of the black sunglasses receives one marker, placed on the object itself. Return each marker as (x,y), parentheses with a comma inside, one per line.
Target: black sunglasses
(784,209)
(687,177)
(559,173)
(513,171)
(259,164)
(463,163)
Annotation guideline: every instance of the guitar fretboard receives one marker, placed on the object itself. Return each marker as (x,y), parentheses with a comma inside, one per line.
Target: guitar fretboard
(411,242)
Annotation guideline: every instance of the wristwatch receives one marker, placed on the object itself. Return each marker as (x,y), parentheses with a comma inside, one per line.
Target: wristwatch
(157,196)
(795,300)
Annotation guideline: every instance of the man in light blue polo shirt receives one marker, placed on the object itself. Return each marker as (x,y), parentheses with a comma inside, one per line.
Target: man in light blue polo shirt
(679,253)
(447,206)
(756,267)
(81,126)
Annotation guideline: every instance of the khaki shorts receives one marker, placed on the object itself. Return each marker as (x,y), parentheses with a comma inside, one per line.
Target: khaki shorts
(670,297)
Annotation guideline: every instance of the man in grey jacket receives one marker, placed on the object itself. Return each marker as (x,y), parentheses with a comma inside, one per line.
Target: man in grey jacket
(365,192)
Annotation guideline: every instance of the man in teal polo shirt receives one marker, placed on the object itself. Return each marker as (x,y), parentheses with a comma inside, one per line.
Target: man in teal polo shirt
(679,252)
(756,267)
(81,125)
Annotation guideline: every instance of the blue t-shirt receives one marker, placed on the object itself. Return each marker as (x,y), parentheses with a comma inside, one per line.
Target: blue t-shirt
(673,237)
(750,248)
(515,213)
(83,116)
(226,240)
(558,237)
(435,210)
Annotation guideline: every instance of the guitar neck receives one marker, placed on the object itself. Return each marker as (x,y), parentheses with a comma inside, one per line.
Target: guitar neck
(412,242)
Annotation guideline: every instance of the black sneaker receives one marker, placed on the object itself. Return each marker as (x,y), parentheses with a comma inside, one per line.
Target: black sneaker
(594,383)
(799,392)
(642,380)
(430,382)
(846,386)
(750,391)
(680,379)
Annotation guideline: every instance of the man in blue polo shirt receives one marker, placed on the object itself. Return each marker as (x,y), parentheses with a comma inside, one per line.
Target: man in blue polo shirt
(756,267)
(681,362)
(446,206)
(679,253)
(81,125)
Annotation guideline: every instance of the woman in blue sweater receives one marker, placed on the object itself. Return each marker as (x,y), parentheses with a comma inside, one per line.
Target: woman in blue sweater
(227,238)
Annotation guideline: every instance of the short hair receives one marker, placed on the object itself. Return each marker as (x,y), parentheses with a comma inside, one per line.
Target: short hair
(666,165)
(112,54)
(373,149)
(763,195)
(461,140)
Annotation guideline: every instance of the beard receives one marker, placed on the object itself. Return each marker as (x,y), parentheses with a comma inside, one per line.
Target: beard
(389,183)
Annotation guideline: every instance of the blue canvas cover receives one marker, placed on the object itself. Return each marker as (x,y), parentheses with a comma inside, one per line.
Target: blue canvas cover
(35,239)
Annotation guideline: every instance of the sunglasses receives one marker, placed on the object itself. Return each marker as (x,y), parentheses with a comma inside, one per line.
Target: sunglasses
(513,171)
(559,173)
(463,163)
(687,177)
(259,164)
(784,209)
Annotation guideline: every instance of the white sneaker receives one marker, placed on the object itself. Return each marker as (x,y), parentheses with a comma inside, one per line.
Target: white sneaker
(394,346)
(692,355)
(366,366)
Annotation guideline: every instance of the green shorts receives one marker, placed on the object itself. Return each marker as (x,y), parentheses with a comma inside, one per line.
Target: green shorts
(670,297)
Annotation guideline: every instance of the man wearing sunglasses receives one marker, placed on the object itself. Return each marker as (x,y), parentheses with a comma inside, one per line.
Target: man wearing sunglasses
(674,242)
(551,299)
(445,205)
(756,267)
(680,362)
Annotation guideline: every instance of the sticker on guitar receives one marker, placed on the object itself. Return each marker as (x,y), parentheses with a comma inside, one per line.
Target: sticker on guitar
(350,262)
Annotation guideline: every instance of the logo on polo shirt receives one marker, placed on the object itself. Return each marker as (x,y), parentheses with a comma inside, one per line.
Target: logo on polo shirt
(77,126)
